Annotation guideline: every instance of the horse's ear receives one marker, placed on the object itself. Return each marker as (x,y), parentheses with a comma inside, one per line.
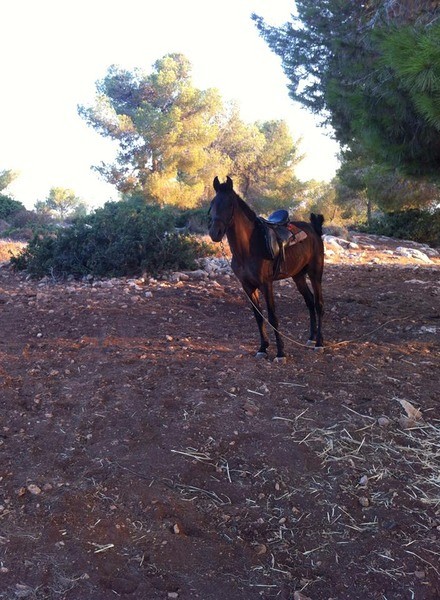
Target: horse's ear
(216,183)
(229,183)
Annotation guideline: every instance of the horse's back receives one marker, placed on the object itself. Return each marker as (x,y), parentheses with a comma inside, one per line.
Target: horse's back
(307,255)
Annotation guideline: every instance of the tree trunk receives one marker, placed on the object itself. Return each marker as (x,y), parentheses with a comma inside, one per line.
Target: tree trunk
(369,211)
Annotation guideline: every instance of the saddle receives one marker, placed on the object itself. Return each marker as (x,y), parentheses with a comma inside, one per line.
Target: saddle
(280,233)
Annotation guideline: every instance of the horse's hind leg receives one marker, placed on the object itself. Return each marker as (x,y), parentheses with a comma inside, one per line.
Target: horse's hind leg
(253,296)
(306,293)
(315,279)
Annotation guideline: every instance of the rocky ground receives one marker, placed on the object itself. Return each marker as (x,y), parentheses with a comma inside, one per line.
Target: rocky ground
(146,454)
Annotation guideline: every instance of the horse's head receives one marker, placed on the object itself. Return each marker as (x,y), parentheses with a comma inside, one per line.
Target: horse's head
(221,211)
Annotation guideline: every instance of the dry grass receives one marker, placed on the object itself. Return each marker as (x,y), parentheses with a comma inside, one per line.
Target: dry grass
(10,248)
(365,464)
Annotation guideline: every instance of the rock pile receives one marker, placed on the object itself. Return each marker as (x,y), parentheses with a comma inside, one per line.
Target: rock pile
(414,253)
(336,246)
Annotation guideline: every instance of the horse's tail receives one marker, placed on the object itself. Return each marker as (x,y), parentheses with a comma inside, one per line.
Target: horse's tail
(317,221)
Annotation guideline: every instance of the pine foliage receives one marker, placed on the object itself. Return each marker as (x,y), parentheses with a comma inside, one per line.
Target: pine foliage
(374,79)
(173,138)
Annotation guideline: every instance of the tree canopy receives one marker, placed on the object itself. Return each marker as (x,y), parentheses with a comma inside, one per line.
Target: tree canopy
(7,176)
(174,138)
(371,70)
(61,203)
(262,158)
(164,127)
(8,205)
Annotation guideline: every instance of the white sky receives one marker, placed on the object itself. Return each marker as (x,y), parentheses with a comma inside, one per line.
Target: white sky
(53,52)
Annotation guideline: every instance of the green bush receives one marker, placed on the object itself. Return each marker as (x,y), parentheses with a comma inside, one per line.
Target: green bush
(419,225)
(24,224)
(9,206)
(121,238)
(195,219)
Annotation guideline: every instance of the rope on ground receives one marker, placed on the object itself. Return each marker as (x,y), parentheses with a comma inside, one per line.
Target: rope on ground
(358,337)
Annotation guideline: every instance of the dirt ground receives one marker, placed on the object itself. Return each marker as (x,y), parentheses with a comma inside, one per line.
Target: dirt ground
(146,454)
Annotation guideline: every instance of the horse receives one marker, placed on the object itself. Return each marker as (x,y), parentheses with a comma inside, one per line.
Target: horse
(230,215)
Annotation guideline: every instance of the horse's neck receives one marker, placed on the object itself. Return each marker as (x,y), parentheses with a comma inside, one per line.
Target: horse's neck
(240,232)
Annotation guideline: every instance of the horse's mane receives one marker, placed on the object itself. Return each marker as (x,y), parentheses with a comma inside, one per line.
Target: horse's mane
(250,214)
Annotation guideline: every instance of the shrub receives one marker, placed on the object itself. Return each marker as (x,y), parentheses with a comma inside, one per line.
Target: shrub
(119,239)
(419,225)
(25,223)
(337,230)
(9,206)
(194,219)
(30,219)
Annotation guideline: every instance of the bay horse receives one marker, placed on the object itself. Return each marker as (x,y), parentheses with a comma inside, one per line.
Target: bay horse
(230,215)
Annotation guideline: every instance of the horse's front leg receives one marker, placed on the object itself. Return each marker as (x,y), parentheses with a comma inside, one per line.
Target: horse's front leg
(267,290)
(254,297)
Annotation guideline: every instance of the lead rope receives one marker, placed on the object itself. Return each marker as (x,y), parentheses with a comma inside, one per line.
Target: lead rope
(222,247)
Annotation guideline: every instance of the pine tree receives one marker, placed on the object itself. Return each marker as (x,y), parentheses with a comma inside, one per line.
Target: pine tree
(371,70)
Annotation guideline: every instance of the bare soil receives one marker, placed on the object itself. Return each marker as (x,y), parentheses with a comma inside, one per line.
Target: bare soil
(146,454)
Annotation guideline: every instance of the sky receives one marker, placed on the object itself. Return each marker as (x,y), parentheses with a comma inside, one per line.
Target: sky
(54,51)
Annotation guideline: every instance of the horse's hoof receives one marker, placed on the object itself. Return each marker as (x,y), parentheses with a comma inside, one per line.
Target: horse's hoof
(261,355)
(319,348)
(310,343)
(280,360)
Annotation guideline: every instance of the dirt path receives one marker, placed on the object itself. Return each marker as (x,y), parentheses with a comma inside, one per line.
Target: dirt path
(146,454)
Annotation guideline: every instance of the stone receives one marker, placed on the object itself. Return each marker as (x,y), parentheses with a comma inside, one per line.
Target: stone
(300,596)
(330,240)
(197,274)
(261,549)
(413,253)
(428,329)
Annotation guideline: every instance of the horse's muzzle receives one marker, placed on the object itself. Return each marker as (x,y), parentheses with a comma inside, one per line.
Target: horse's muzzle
(216,231)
